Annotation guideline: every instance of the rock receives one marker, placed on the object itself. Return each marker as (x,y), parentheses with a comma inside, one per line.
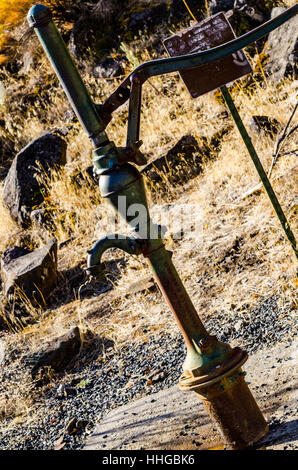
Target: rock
(265,124)
(178,10)
(38,216)
(61,391)
(75,426)
(106,10)
(82,37)
(185,154)
(64,391)
(256,10)
(59,353)
(34,273)
(95,32)
(13,252)
(216,6)
(71,426)
(147,18)
(282,48)
(22,191)
(184,160)
(243,15)
(108,68)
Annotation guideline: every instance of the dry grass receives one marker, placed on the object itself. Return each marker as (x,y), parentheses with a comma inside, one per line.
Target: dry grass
(237,257)
(12,14)
(168,114)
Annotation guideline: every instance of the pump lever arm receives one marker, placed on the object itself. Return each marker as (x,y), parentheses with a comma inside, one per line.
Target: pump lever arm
(176,64)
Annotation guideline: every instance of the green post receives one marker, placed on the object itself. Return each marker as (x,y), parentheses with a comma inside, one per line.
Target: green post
(254,156)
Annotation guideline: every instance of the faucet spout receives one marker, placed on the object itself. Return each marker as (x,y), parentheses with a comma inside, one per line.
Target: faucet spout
(128,244)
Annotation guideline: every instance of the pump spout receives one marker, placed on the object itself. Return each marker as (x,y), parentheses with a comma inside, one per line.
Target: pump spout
(128,244)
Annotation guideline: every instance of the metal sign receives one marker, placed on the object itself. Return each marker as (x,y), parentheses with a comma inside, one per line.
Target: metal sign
(211,32)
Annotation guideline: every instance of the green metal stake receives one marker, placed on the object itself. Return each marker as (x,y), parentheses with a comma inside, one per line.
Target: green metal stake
(254,156)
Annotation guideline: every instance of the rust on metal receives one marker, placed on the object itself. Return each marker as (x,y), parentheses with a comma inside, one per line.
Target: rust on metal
(212,32)
(233,408)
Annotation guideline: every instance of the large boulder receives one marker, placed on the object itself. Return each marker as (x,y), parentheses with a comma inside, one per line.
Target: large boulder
(30,275)
(105,10)
(95,33)
(182,161)
(143,18)
(264,124)
(255,9)
(178,11)
(282,48)
(58,353)
(23,189)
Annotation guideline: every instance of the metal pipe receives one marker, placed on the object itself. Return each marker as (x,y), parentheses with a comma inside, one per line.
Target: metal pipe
(40,18)
(127,244)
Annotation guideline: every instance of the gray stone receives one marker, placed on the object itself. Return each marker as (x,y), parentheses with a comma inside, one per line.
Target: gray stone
(13,252)
(220,5)
(282,48)
(22,189)
(148,18)
(178,11)
(184,160)
(243,15)
(106,10)
(59,353)
(256,10)
(108,68)
(33,274)
(95,31)
(185,156)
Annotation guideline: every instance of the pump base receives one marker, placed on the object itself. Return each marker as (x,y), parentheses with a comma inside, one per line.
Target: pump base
(235,412)
(233,408)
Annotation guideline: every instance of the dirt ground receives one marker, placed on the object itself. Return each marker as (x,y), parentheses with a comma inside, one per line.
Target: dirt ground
(173,420)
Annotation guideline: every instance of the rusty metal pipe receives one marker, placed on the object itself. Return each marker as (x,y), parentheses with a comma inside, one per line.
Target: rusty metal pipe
(175,295)
(212,369)
(235,412)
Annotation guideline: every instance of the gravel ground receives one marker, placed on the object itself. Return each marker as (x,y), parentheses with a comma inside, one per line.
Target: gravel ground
(71,407)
